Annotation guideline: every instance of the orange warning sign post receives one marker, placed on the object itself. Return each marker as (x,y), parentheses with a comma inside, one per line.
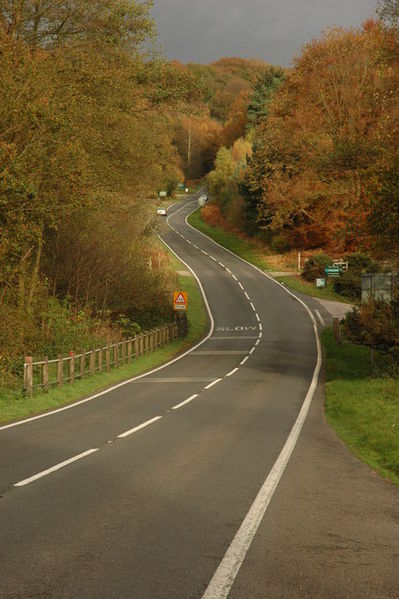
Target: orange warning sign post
(180,300)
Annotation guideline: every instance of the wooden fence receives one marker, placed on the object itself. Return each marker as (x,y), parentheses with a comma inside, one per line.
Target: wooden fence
(66,369)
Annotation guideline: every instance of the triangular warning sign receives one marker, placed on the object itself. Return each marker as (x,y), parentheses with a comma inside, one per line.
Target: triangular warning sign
(180,299)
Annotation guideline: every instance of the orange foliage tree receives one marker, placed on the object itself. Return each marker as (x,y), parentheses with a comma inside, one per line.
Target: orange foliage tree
(330,127)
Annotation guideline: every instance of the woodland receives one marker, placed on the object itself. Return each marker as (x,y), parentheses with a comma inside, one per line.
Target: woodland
(94,122)
(318,166)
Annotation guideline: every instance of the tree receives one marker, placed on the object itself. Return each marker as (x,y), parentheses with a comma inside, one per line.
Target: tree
(388,11)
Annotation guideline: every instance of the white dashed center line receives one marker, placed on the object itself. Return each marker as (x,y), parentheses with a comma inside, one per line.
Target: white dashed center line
(244,360)
(232,372)
(139,427)
(22,483)
(213,383)
(186,401)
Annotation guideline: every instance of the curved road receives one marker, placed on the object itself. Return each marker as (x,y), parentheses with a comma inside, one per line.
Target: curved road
(169,486)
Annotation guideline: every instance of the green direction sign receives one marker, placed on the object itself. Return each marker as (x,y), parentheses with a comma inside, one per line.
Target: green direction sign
(333,271)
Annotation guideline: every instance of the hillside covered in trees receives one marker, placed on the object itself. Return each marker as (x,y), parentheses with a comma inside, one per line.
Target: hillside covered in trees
(318,167)
(93,123)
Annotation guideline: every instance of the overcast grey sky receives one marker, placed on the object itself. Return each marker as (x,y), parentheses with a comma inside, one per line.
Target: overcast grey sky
(274,30)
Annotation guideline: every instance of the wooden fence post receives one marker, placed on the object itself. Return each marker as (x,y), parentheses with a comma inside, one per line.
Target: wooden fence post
(107,358)
(337,330)
(141,351)
(167,333)
(82,363)
(100,360)
(71,367)
(45,374)
(60,370)
(146,340)
(116,354)
(28,375)
(129,350)
(136,347)
(124,351)
(92,361)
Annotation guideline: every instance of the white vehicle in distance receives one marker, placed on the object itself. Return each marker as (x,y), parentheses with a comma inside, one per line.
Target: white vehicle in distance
(161,211)
(202,200)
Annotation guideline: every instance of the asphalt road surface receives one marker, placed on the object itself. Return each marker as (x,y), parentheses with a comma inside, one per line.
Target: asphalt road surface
(215,476)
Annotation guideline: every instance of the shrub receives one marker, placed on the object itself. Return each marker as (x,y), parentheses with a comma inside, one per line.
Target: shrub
(315,265)
(376,325)
(349,283)
(280,244)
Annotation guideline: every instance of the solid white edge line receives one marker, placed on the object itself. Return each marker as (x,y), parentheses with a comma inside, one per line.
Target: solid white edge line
(183,403)
(140,376)
(139,427)
(213,383)
(232,372)
(319,316)
(223,579)
(244,360)
(22,483)
(225,575)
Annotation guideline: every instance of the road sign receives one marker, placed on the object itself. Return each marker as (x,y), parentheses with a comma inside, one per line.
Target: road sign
(162,194)
(333,271)
(321,282)
(180,300)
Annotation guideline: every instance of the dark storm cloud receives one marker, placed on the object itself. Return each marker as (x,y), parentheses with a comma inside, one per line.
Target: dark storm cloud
(274,30)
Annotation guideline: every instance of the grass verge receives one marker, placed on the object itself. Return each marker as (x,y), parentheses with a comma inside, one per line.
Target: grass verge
(15,405)
(241,247)
(362,405)
(296,283)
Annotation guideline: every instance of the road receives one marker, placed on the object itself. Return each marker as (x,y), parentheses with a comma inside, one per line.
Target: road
(198,480)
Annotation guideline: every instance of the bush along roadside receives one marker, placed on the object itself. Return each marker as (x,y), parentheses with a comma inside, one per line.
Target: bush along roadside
(14,404)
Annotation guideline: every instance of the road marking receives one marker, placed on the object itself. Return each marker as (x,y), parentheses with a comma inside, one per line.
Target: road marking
(257,316)
(260,327)
(186,401)
(205,253)
(234,277)
(240,285)
(222,265)
(213,258)
(253,307)
(190,242)
(216,338)
(139,427)
(224,577)
(251,351)
(319,316)
(260,334)
(22,483)
(232,372)
(228,270)
(247,296)
(244,360)
(196,246)
(225,352)
(258,341)
(213,383)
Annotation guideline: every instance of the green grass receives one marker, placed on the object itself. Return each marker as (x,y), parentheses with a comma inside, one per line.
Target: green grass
(362,404)
(15,405)
(296,283)
(241,247)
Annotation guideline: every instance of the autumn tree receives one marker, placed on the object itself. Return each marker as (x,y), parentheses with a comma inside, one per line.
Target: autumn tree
(317,152)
